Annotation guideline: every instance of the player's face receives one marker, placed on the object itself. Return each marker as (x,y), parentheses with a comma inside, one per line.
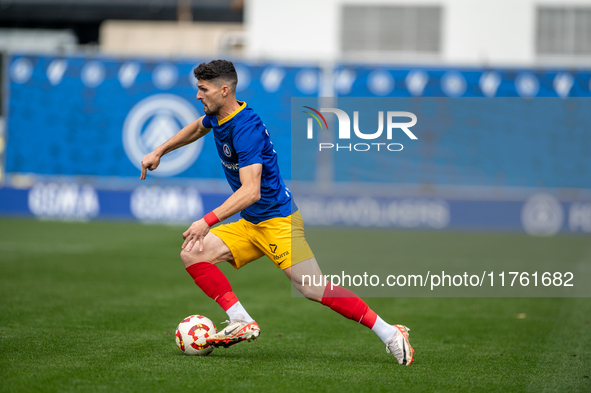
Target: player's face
(210,96)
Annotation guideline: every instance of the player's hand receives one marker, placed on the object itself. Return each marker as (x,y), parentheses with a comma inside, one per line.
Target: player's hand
(151,162)
(195,234)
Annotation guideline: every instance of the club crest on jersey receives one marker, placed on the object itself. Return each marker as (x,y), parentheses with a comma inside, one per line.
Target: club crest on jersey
(227,150)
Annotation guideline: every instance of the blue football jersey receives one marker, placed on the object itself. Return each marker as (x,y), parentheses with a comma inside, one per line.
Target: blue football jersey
(241,140)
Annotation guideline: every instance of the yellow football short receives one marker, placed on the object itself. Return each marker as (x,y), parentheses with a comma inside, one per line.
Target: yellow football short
(281,239)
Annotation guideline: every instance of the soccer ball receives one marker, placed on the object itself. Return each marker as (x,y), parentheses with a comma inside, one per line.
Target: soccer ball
(191,335)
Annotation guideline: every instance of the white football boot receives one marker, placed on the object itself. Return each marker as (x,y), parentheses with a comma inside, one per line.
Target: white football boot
(235,332)
(399,346)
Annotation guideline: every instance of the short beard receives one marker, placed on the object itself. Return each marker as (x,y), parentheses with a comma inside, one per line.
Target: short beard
(211,111)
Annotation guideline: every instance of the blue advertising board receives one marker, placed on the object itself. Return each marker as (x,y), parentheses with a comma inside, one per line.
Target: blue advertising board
(540,214)
(99,116)
(78,126)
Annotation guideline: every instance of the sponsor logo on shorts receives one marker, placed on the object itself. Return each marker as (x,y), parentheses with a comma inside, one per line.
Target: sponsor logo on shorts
(276,257)
(273,248)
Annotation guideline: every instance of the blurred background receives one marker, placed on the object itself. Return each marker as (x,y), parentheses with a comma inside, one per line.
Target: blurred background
(90,86)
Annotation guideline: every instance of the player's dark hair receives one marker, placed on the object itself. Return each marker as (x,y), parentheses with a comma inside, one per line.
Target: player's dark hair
(222,70)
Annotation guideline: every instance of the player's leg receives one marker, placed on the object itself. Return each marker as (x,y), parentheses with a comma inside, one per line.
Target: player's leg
(307,277)
(282,240)
(201,265)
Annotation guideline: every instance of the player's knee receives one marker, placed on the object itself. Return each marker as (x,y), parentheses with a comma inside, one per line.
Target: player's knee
(191,258)
(187,258)
(315,298)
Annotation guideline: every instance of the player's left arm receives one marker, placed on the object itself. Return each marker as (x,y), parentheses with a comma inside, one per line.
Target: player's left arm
(246,195)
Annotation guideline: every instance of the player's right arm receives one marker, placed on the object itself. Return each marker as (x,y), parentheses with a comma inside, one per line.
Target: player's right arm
(188,134)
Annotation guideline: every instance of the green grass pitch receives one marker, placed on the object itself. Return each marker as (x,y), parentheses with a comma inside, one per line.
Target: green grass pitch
(93,307)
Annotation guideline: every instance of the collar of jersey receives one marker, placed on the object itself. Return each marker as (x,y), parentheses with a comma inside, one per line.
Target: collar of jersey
(231,115)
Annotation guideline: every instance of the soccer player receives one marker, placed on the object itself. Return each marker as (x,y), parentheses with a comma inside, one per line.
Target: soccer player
(270,223)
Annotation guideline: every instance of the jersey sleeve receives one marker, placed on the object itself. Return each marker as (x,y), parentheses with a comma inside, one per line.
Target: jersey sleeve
(249,146)
(206,121)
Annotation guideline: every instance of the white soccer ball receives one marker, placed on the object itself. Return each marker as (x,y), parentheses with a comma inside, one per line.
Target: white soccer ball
(191,335)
